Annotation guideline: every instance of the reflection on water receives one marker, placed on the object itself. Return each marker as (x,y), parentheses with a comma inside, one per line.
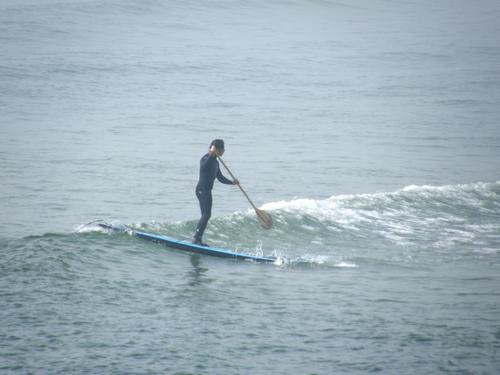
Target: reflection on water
(196,275)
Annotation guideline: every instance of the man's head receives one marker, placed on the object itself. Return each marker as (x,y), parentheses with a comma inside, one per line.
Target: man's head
(219,145)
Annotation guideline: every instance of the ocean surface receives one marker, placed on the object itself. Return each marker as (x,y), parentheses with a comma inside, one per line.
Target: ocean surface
(368,129)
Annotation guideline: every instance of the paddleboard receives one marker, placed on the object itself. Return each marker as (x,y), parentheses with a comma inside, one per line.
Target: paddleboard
(187,246)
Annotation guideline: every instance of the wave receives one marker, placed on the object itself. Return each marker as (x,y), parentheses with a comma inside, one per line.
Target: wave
(410,227)
(410,205)
(335,232)
(481,196)
(422,216)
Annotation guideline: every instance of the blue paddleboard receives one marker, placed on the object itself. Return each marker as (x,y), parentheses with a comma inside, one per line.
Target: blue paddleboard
(187,246)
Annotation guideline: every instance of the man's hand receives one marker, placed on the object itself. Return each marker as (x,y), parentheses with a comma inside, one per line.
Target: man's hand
(236,182)
(213,151)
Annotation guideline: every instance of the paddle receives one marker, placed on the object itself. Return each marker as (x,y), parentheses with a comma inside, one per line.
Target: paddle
(265,220)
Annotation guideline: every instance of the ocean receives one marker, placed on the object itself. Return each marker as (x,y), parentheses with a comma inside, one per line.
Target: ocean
(368,129)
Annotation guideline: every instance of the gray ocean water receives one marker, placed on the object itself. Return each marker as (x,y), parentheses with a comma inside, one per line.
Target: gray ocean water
(369,130)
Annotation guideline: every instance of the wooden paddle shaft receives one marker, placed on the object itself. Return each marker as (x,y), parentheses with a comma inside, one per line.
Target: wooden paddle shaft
(234,178)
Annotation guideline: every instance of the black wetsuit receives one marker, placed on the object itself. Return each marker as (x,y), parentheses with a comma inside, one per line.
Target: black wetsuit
(209,170)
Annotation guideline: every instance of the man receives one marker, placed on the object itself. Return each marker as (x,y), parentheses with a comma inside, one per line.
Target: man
(209,170)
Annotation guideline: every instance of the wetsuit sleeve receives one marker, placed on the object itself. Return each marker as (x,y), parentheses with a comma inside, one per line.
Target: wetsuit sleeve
(223,179)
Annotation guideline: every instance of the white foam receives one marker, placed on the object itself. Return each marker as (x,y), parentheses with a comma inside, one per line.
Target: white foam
(322,260)
(323,210)
(487,251)
(343,264)
(84,229)
(337,201)
(302,203)
(88,228)
(399,213)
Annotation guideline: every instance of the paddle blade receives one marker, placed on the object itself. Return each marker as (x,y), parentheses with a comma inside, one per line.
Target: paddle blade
(265,220)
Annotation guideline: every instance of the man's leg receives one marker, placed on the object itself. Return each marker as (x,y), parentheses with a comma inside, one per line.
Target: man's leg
(206,211)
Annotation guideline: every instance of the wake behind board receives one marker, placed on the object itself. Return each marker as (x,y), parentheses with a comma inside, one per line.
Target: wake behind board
(186,246)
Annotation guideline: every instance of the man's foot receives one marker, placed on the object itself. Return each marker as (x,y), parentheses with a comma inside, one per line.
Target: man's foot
(199,243)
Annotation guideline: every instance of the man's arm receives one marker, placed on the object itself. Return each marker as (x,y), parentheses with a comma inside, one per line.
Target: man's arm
(225,180)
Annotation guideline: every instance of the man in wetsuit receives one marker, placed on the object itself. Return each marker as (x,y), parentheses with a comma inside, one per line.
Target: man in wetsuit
(209,170)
